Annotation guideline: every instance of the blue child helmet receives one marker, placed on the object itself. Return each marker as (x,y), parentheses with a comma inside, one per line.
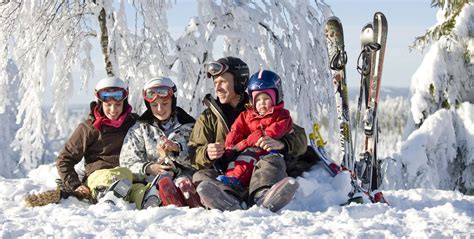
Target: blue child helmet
(265,79)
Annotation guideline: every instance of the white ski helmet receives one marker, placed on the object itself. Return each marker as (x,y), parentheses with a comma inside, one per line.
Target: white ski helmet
(111,82)
(159,87)
(108,86)
(161,81)
(162,87)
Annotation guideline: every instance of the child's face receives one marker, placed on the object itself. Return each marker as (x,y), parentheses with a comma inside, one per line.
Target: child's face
(263,103)
(161,108)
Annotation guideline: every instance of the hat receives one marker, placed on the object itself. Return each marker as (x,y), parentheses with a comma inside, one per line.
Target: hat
(269,92)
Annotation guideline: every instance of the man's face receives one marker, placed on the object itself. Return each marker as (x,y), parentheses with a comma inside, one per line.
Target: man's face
(224,89)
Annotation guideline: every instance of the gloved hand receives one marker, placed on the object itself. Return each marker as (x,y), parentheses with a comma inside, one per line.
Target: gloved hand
(220,165)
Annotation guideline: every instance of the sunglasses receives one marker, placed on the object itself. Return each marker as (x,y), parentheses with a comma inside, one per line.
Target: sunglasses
(151,94)
(111,94)
(215,68)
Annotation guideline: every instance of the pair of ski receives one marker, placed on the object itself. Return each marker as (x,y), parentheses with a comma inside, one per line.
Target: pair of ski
(370,63)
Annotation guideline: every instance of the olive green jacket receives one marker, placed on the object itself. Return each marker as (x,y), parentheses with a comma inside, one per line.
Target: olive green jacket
(209,129)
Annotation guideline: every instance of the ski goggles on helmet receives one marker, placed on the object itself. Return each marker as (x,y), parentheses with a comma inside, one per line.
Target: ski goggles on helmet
(215,68)
(151,94)
(111,94)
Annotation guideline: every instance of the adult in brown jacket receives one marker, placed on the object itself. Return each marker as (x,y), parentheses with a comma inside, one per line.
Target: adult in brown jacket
(98,140)
(230,76)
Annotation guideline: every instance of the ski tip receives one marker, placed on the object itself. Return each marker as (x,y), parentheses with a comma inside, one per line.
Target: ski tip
(367,25)
(333,20)
(379,14)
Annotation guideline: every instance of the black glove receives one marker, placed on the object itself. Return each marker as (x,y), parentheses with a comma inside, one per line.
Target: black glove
(220,165)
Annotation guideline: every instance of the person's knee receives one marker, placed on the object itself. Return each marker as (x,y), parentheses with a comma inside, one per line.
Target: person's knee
(202,175)
(137,193)
(275,161)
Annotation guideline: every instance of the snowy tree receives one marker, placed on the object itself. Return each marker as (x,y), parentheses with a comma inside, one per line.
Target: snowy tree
(438,146)
(50,41)
(284,37)
(451,82)
(47,40)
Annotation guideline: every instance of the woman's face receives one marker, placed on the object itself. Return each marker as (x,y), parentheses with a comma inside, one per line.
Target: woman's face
(112,109)
(161,108)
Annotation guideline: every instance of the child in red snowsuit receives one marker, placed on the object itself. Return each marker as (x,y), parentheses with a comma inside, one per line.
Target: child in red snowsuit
(263,118)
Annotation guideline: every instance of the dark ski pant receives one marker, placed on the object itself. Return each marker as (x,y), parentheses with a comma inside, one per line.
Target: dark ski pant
(267,172)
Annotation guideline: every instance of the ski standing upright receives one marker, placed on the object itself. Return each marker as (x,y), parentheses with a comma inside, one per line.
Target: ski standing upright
(337,63)
(370,65)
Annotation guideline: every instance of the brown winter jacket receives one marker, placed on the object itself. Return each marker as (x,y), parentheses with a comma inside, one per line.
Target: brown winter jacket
(100,150)
(209,129)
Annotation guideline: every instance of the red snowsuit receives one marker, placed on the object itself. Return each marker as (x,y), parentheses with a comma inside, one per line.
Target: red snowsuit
(247,129)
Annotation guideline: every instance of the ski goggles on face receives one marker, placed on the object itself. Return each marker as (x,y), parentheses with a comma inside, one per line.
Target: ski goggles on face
(112,94)
(215,68)
(151,94)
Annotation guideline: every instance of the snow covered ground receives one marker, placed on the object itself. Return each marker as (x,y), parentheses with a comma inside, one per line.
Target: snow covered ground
(315,212)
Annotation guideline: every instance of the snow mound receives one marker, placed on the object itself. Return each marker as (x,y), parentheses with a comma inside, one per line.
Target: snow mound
(315,212)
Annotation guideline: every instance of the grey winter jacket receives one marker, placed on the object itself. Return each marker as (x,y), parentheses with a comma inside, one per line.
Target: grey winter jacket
(140,145)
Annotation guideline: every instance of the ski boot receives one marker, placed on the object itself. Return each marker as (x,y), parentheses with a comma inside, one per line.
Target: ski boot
(169,193)
(152,195)
(279,195)
(191,197)
(214,198)
(118,189)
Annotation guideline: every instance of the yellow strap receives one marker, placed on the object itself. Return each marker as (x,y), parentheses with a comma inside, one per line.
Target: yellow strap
(316,135)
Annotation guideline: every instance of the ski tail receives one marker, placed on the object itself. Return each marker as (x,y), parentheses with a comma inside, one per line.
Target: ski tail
(318,144)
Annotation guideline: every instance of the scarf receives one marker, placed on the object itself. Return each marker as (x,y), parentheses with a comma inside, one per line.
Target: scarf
(101,120)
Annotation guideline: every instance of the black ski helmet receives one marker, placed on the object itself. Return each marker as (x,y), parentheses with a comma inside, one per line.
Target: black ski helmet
(238,68)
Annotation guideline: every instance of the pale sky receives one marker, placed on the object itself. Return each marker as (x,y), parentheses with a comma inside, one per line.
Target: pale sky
(406,19)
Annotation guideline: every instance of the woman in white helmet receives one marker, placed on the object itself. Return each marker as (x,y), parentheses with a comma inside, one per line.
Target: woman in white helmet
(98,140)
(156,147)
